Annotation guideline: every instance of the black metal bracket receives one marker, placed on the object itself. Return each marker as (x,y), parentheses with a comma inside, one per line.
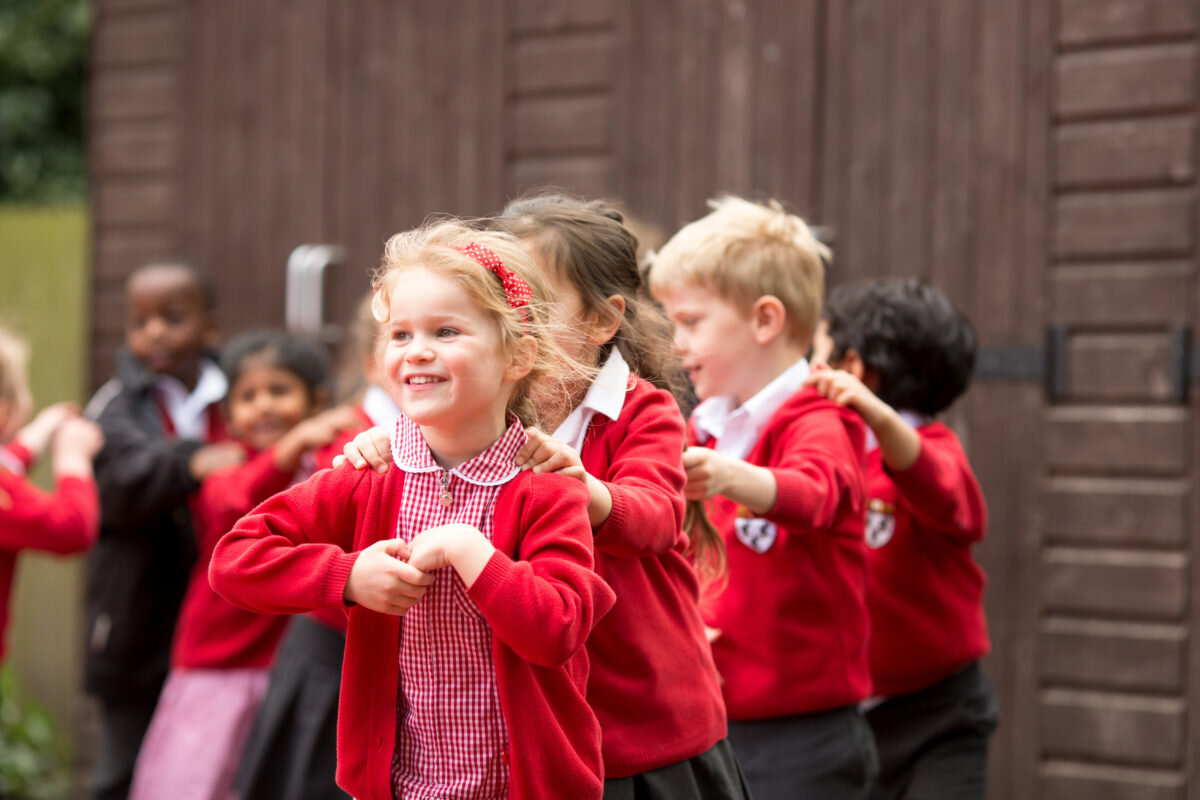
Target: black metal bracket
(1049,363)
(1183,367)
(1046,364)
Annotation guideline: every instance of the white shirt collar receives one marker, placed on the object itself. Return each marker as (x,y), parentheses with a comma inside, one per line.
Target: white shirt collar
(188,411)
(605,396)
(379,406)
(737,429)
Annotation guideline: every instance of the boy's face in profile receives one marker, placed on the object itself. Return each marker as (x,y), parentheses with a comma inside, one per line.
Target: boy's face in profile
(167,324)
(715,341)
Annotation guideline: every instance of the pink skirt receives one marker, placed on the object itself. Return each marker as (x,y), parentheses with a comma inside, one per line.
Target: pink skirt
(195,741)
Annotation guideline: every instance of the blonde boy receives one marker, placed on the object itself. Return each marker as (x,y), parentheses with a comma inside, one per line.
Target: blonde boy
(783,471)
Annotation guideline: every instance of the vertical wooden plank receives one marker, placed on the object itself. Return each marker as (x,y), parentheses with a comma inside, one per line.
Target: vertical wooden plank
(784,112)
(863,244)
(736,71)
(909,189)
(955,134)
(831,152)
(696,118)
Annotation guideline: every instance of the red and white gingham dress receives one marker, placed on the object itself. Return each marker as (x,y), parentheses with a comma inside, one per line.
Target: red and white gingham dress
(451,738)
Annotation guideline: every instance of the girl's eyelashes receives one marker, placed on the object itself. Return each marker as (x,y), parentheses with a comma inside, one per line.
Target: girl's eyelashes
(444,332)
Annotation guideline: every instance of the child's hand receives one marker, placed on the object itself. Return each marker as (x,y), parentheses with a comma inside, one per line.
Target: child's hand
(213,457)
(463,547)
(544,453)
(844,389)
(382,581)
(36,436)
(321,429)
(708,473)
(318,430)
(371,447)
(75,445)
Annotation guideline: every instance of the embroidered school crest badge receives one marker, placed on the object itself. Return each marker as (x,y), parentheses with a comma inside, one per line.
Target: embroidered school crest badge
(881,523)
(757,534)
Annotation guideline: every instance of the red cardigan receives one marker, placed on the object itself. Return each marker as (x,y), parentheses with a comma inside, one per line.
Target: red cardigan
(538,592)
(66,521)
(793,619)
(926,591)
(653,683)
(335,618)
(212,633)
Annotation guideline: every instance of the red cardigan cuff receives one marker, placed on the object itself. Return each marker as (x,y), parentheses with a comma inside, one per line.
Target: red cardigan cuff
(491,579)
(609,532)
(333,588)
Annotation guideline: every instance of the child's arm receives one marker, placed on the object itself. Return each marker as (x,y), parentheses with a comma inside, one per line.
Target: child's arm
(544,605)
(899,443)
(940,489)
(67,520)
(319,430)
(292,553)
(933,476)
(142,476)
(636,508)
(35,437)
(228,494)
(710,473)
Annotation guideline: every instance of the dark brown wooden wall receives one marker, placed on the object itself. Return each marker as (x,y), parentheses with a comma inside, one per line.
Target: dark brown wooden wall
(1036,159)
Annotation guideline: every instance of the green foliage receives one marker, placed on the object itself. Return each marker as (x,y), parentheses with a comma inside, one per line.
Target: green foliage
(33,757)
(43,60)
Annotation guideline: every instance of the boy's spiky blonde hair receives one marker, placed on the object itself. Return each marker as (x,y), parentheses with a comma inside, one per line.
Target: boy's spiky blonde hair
(743,251)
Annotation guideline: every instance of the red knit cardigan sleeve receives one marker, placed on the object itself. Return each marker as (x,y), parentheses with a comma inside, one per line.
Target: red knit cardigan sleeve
(644,474)
(64,521)
(294,552)
(940,489)
(816,454)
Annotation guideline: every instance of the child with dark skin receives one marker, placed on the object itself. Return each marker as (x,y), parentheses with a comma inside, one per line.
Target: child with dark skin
(164,434)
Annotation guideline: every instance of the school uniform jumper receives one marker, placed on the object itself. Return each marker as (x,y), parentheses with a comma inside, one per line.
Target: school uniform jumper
(793,619)
(139,570)
(292,750)
(219,660)
(653,684)
(62,522)
(935,710)
(537,600)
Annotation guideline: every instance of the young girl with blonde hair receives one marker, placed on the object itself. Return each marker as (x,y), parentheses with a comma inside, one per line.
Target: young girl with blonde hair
(469,583)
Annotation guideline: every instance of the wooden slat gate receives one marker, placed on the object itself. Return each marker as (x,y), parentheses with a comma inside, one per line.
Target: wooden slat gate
(1036,159)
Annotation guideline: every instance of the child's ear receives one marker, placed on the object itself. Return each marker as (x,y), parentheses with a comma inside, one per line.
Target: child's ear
(767,318)
(523,357)
(608,320)
(852,362)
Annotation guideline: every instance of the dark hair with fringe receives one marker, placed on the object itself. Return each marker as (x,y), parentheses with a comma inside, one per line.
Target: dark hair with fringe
(589,244)
(299,355)
(921,348)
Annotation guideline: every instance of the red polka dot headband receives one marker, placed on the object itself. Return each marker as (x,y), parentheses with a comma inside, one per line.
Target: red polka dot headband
(516,290)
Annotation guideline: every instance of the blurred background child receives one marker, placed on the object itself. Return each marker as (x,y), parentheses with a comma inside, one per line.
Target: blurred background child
(221,654)
(901,354)
(291,753)
(63,521)
(163,428)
